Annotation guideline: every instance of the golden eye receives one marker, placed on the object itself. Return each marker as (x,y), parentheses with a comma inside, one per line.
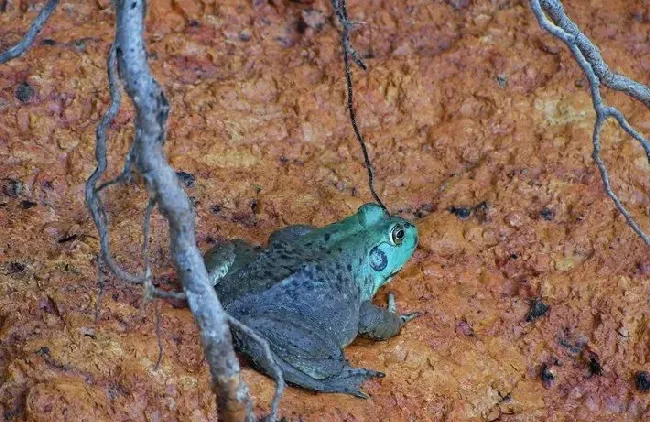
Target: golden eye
(397,235)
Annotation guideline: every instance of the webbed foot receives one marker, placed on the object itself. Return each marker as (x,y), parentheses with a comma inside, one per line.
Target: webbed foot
(404,318)
(351,379)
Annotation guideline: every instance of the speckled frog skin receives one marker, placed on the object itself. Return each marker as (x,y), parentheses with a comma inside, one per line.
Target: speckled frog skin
(308,294)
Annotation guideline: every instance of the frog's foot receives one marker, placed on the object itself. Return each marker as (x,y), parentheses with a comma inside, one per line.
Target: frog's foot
(351,379)
(392,308)
(348,381)
(382,323)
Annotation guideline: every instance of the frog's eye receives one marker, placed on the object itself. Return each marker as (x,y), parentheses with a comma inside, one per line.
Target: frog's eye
(397,235)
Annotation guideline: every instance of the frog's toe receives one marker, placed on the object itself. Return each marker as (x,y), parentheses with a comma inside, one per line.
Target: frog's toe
(363,372)
(392,308)
(352,378)
(407,317)
(359,394)
(404,318)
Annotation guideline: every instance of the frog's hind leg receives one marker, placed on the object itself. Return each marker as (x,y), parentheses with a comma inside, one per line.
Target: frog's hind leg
(348,381)
(227,257)
(307,359)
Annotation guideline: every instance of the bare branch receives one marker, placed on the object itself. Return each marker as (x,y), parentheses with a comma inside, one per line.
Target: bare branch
(341,11)
(29,37)
(588,57)
(162,294)
(148,157)
(611,80)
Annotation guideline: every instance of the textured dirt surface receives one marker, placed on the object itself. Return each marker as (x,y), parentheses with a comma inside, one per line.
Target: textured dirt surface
(468,108)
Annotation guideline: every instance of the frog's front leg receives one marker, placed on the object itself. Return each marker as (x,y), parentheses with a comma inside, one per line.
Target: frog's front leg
(382,323)
(227,257)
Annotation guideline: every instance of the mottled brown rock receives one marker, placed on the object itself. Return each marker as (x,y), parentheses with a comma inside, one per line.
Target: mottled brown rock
(461,107)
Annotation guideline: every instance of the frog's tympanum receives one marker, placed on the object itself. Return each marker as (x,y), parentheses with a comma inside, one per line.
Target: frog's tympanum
(309,294)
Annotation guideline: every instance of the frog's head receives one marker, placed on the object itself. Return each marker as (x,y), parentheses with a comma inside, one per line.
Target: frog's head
(389,242)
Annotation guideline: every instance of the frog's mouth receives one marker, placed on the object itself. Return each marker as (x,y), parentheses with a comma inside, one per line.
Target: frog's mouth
(393,274)
(389,278)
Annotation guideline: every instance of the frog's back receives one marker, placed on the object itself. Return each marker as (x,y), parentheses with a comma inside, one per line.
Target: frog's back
(319,296)
(271,266)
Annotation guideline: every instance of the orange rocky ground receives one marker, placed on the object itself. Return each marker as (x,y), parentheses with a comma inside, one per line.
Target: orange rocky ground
(466,104)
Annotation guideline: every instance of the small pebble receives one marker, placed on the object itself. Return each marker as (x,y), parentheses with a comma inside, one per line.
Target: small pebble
(547,214)
(642,381)
(537,310)
(595,368)
(24,92)
(461,212)
(27,204)
(12,188)
(548,376)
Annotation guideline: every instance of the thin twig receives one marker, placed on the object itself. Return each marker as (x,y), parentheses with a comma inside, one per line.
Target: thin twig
(149,289)
(100,287)
(341,11)
(159,336)
(34,29)
(595,69)
(162,294)
(93,200)
(125,175)
(275,368)
(146,232)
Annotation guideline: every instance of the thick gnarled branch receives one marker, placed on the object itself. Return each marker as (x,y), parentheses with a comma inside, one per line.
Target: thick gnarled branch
(597,72)
(148,157)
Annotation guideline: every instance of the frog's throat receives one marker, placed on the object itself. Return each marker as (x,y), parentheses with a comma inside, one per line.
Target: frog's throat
(368,288)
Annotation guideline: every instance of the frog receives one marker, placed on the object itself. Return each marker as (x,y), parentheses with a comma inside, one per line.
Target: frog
(309,294)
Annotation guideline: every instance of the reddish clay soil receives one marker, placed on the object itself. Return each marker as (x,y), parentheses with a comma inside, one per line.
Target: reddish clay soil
(468,108)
